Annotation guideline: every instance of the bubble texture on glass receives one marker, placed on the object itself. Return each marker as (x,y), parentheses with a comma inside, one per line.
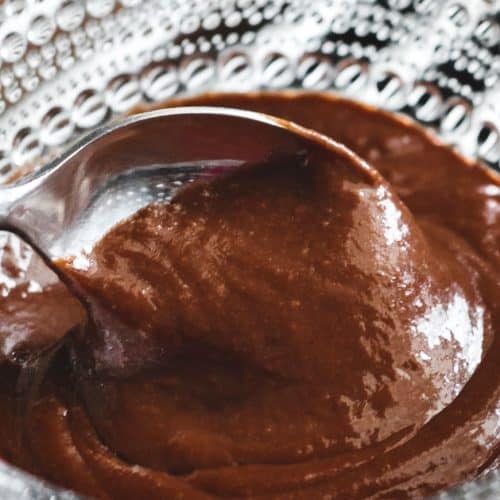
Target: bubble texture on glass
(69,65)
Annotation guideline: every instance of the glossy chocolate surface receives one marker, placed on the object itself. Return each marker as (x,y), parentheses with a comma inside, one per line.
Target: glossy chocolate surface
(302,328)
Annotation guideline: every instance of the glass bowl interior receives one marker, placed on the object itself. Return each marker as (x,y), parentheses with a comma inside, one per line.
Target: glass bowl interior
(67,66)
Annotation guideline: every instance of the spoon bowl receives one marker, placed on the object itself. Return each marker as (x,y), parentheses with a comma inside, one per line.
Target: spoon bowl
(67,206)
(64,209)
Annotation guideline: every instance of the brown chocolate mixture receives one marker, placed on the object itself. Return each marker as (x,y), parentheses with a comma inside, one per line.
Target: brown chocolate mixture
(296,330)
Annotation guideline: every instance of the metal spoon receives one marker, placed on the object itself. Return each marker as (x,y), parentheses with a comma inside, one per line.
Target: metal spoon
(67,206)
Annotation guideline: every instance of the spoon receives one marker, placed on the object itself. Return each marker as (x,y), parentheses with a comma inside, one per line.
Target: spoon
(67,206)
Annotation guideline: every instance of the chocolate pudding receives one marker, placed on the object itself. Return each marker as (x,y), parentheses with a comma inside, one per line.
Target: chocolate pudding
(313,326)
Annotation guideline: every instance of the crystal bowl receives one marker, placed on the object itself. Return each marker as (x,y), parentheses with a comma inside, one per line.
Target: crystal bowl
(67,66)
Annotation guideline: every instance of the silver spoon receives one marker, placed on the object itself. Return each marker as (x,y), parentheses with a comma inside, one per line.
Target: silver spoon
(67,206)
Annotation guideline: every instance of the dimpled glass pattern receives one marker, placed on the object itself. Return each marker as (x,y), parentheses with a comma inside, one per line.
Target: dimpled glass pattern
(69,65)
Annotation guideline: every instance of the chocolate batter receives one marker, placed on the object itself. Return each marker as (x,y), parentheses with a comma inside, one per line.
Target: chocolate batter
(301,328)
